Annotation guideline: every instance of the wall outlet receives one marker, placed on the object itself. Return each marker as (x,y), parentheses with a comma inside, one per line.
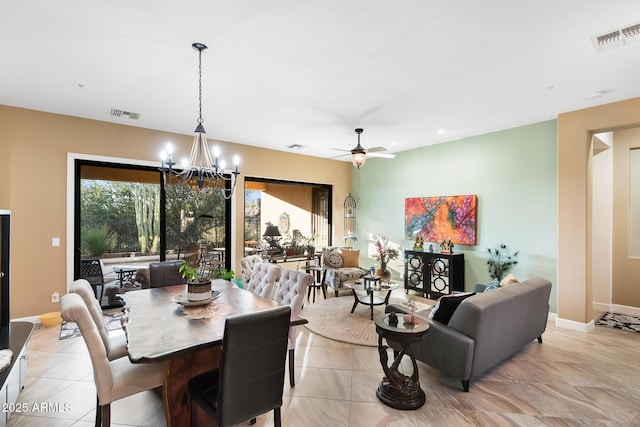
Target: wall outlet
(55,297)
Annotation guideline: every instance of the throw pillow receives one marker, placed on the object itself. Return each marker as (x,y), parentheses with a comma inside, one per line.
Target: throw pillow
(446,306)
(334,259)
(509,280)
(350,258)
(492,286)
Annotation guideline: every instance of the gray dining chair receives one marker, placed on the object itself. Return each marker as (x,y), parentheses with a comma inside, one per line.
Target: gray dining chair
(116,344)
(165,273)
(263,279)
(114,379)
(291,292)
(246,385)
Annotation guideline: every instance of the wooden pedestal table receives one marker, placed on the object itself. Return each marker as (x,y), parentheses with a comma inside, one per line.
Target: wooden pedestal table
(397,390)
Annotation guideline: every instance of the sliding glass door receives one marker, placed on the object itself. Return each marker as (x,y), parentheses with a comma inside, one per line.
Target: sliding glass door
(127,216)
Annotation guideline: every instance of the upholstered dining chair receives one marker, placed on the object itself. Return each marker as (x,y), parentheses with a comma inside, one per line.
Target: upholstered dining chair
(115,379)
(165,273)
(246,385)
(115,344)
(263,279)
(291,292)
(246,266)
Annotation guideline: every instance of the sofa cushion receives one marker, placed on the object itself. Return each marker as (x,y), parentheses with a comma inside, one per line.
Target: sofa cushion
(350,258)
(446,306)
(334,259)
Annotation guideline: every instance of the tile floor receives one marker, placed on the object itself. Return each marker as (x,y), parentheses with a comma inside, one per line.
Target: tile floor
(571,379)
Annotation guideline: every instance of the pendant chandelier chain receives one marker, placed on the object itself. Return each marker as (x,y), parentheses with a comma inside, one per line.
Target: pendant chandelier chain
(200,86)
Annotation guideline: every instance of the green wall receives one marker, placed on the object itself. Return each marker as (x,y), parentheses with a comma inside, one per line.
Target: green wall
(514,174)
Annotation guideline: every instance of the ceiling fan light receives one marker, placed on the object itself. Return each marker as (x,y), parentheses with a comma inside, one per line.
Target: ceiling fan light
(359,158)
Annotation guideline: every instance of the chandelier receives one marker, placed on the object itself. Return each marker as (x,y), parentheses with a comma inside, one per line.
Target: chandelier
(203,171)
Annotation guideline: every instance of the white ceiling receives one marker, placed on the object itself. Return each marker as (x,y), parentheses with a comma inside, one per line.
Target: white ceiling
(309,72)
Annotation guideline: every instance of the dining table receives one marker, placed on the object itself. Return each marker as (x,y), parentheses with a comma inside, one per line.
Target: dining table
(161,325)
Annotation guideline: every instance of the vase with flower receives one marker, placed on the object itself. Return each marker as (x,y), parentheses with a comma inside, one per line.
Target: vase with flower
(384,253)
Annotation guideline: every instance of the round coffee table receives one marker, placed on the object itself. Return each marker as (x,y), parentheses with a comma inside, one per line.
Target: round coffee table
(372,296)
(397,390)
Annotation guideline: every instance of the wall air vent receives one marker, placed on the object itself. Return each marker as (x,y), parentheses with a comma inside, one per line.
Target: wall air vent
(121,113)
(618,37)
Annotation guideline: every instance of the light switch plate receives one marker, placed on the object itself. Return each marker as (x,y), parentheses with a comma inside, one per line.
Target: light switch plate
(55,241)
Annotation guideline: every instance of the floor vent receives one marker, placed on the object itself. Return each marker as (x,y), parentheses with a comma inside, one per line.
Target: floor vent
(618,37)
(121,113)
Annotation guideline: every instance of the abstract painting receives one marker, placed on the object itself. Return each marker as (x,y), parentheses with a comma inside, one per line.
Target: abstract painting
(438,218)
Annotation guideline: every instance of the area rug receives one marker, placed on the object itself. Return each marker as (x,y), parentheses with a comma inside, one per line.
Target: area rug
(332,318)
(625,322)
(70,329)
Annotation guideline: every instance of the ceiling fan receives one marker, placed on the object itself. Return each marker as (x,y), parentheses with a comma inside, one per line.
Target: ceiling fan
(360,154)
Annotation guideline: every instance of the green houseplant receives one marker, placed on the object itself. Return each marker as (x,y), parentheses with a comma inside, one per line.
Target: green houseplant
(223,273)
(190,274)
(501,261)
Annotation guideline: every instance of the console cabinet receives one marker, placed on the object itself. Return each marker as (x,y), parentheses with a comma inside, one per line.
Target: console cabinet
(12,379)
(433,274)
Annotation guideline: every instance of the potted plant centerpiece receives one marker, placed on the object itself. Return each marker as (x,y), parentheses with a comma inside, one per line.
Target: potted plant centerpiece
(198,288)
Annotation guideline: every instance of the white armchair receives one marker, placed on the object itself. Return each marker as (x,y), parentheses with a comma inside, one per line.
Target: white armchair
(341,264)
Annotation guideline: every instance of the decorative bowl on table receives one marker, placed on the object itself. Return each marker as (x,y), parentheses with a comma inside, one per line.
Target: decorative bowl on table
(50,320)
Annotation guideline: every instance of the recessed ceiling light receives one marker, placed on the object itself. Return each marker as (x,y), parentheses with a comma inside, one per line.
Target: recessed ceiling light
(440,131)
(393,143)
(595,95)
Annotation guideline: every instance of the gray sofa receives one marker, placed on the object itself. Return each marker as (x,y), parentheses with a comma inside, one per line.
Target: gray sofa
(485,329)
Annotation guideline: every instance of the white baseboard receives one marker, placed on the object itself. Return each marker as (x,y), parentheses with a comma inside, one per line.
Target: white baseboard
(552,317)
(575,326)
(616,308)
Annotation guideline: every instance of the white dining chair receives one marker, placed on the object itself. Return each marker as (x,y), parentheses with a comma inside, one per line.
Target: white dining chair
(116,344)
(263,279)
(115,379)
(291,291)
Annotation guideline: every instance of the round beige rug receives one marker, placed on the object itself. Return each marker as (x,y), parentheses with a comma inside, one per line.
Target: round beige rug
(332,318)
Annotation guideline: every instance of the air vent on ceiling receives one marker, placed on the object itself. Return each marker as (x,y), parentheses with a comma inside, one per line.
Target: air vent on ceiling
(295,146)
(617,37)
(121,113)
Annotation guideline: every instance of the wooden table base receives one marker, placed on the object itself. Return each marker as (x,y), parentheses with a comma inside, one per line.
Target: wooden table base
(397,390)
(176,386)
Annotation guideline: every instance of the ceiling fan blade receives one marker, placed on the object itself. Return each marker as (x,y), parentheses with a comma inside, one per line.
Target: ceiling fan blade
(340,149)
(375,149)
(381,155)
(338,156)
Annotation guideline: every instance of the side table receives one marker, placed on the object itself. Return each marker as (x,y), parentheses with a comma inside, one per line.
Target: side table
(371,296)
(397,390)
(318,281)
